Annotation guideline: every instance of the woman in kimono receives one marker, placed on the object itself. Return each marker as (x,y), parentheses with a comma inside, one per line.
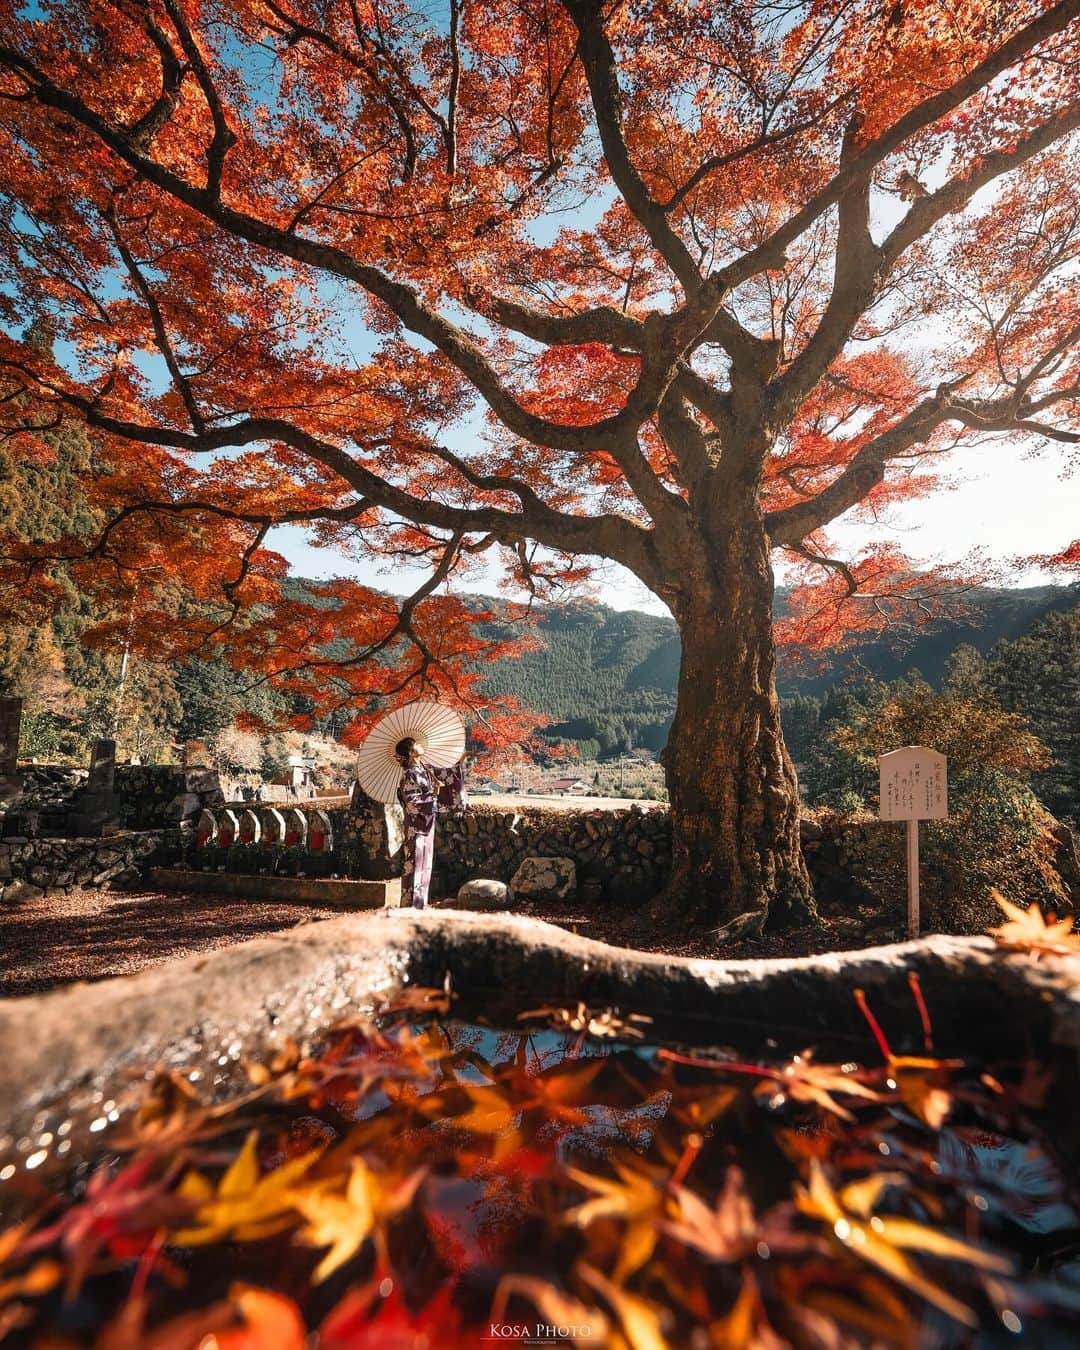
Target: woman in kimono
(424,792)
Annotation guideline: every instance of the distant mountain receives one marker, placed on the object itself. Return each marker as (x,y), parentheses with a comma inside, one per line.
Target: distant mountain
(608,678)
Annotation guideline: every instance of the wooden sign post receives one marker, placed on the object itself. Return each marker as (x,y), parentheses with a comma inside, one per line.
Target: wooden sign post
(914,787)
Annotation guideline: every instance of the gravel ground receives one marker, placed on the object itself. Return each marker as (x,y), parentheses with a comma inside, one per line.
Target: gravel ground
(93,934)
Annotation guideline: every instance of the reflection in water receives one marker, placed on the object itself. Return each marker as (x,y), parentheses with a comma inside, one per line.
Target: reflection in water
(420,1177)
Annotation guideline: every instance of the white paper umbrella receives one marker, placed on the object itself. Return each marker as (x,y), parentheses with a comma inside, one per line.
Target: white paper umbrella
(438,729)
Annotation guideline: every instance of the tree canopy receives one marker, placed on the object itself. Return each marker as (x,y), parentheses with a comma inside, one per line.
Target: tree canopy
(670,283)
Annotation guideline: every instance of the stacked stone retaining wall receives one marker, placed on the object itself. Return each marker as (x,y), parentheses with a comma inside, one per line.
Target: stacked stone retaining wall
(149,796)
(626,853)
(31,867)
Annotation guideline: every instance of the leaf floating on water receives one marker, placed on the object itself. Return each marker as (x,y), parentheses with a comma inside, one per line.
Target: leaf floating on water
(638,1318)
(878,1240)
(269,1322)
(404,1169)
(344,1221)
(1029,931)
(376,1317)
(39,1279)
(245,1206)
(920,1087)
(746,1326)
(820,1084)
(602,1023)
(556,1306)
(724,1232)
(632,1194)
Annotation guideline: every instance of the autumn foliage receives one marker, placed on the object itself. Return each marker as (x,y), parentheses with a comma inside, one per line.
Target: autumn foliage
(415,1182)
(673,284)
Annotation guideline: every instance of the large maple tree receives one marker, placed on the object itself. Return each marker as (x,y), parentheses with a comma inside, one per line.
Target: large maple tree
(675,284)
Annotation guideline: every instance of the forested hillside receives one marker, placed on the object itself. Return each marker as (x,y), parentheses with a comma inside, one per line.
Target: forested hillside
(608,678)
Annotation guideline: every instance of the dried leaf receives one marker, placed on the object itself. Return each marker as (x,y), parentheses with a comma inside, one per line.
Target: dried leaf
(724,1232)
(632,1194)
(247,1207)
(805,1081)
(878,1241)
(1028,930)
(639,1319)
(344,1221)
(557,1307)
(746,1326)
(270,1322)
(39,1279)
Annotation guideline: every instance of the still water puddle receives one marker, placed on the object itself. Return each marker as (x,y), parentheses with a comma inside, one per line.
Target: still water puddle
(423,1181)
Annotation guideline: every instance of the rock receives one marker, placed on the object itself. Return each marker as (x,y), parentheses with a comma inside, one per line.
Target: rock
(19,892)
(544,879)
(745,926)
(129,876)
(183,806)
(482,894)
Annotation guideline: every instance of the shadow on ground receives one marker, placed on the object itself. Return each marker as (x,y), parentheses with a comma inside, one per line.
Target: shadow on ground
(93,934)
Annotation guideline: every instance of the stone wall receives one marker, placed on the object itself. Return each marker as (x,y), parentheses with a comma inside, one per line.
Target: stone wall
(150,796)
(30,867)
(624,856)
(621,855)
(157,795)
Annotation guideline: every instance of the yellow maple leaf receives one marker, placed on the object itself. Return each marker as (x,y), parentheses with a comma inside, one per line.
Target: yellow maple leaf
(632,1194)
(1029,931)
(245,1206)
(879,1240)
(804,1081)
(344,1221)
(639,1319)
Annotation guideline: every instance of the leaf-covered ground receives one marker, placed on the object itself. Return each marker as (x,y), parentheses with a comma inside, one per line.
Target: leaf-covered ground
(418,1180)
(94,934)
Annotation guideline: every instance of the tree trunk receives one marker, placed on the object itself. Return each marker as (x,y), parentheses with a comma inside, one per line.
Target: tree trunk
(733,790)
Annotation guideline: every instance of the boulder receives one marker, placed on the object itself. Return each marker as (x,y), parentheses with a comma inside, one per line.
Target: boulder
(544,879)
(483,895)
(18,892)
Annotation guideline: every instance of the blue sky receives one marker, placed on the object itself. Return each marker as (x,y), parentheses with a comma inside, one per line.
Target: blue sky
(998,503)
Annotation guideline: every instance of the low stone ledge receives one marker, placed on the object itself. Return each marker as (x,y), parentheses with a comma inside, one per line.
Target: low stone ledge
(71,1047)
(342,892)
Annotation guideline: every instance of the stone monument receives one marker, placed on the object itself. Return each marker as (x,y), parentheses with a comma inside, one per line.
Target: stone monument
(10,726)
(96,809)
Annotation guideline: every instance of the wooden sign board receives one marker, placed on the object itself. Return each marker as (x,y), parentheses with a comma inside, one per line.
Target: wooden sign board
(913,784)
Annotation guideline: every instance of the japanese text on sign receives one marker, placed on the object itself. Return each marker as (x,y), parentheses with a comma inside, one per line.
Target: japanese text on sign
(913,784)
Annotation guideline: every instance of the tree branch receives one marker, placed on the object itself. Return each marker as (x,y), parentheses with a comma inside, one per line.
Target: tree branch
(617,537)
(600,71)
(770,253)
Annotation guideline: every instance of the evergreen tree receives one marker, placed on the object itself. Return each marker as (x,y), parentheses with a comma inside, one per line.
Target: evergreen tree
(1038,675)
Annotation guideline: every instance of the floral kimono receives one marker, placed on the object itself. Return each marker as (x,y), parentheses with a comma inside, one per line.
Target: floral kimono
(424,793)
